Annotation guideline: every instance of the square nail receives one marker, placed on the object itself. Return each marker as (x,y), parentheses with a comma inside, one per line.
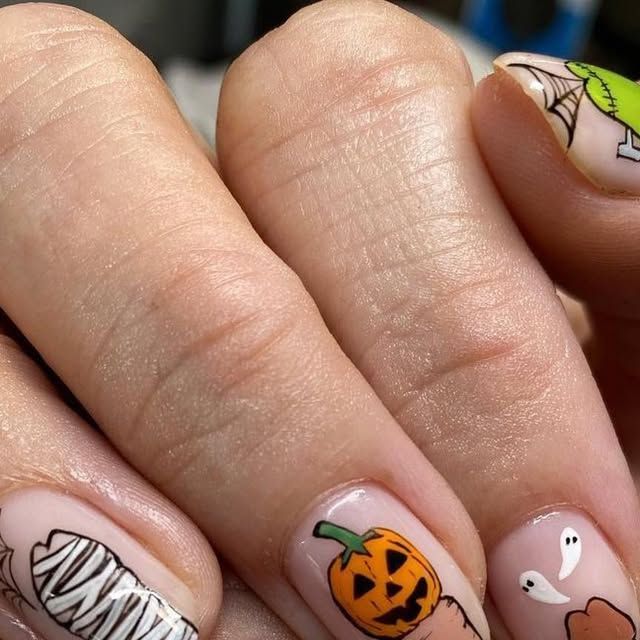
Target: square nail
(67,570)
(369,568)
(557,578)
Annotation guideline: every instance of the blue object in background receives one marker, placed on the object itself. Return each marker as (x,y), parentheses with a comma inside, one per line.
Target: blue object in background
(554,27)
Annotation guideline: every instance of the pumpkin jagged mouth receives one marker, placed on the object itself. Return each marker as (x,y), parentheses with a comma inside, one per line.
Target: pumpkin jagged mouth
(410,611)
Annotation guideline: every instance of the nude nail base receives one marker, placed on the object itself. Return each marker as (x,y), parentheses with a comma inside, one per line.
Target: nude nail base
(369,568)
(68,571)
(557,578)
(594,113)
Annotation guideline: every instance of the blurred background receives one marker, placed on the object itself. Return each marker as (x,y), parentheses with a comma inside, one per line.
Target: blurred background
(192,41)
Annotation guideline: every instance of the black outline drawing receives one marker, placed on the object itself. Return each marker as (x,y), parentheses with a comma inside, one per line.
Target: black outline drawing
(138,614)
(344,556)
(622,613)
(567,95)
(9,589)
(565,90)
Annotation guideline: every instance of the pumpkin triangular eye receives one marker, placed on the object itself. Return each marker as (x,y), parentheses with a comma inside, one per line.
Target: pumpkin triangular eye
(361,585)
(395,559)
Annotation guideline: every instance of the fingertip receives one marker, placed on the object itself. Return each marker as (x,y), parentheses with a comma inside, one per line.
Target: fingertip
(585,236)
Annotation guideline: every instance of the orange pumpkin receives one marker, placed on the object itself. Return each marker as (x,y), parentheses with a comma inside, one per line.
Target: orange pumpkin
(381,582)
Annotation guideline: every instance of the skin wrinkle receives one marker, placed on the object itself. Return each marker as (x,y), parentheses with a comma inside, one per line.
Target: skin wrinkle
(381,269)
(39,132)
(350,189)
(532,397)
(65,172)
(124,318)
(424,320)
(46,45)
(337,222)
(194,352)
(372,76)
(337,142)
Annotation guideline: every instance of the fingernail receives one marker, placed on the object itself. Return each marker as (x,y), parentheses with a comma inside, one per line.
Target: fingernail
(66,568)
(557,578)
(594,113)
(369,568)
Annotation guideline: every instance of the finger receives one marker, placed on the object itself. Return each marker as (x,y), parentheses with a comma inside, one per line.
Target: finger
(585,234)
(244,617)
(196,350)
(356,162)
(77,525)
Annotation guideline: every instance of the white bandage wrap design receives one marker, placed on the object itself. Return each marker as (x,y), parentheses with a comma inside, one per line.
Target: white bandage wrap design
(87,590)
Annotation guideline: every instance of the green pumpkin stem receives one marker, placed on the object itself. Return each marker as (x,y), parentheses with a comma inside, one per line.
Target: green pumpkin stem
(352,542)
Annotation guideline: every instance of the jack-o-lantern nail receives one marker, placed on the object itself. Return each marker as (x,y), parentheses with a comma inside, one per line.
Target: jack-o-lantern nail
(369,568)
(557,578)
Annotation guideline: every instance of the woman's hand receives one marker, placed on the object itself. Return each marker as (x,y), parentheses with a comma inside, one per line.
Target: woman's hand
(329,399)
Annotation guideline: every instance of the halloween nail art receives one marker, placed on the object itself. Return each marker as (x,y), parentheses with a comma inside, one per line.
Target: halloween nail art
(595,114)
(72,582)
(369,568)
(557,578)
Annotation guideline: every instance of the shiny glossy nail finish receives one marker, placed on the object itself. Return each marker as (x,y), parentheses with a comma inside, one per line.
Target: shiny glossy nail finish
(594,113)
(369,568)
(557,578)
(67,571)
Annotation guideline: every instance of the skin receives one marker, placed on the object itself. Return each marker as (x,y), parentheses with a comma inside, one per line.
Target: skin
(591,253)
(346,132)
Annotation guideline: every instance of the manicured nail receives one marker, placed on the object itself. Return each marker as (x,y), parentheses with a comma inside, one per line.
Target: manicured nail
(369,568)
(65,568)
(557,578)
(594,113)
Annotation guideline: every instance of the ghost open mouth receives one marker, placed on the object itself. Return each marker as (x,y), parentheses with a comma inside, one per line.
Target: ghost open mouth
(409,611)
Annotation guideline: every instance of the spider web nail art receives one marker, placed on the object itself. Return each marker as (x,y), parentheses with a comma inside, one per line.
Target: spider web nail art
(8,587)
(562,96)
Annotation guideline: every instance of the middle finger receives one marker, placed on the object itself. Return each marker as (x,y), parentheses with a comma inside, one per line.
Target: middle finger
(359,167)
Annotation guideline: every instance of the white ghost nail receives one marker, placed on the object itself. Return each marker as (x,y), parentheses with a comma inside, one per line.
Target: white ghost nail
(571,549)
(537,587)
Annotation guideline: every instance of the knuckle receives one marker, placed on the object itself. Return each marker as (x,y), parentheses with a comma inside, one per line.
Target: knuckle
(338,44)
(73,93)
(360,77)
(500,360)
(206,339)
(35,36)
(332,24)
(60,62)
(340,31)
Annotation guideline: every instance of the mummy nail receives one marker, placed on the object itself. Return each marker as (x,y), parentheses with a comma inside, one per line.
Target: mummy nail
(80,580)
(85,588)
(369,568)
(594,113)
(557,578)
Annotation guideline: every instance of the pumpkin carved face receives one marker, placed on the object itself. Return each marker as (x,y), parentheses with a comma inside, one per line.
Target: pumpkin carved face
(380,581)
